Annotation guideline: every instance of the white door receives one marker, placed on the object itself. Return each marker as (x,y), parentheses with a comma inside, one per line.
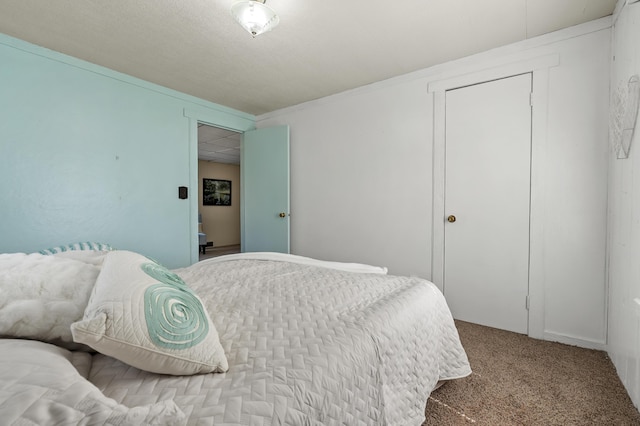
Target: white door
(487,197)
(265,190)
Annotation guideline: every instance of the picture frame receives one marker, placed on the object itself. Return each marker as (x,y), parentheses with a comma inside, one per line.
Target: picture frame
(216,192)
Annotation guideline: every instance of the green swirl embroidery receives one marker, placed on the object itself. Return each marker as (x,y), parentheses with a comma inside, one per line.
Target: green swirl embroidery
(175,317)
(162,274)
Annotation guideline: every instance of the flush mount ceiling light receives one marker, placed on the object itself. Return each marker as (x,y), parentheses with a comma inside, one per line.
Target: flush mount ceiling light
(255,16)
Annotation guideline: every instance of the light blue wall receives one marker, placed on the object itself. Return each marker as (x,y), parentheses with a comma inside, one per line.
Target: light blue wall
(89,154)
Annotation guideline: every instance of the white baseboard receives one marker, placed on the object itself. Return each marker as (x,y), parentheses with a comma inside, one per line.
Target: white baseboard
(575,341)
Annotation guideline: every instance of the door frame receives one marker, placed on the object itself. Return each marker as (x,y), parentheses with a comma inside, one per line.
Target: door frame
(539,68)
(234,122)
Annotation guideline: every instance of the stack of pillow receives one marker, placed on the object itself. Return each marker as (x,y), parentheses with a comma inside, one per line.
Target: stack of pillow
(87,296)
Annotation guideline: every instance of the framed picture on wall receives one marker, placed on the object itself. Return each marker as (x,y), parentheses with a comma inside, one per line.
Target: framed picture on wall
(216,192)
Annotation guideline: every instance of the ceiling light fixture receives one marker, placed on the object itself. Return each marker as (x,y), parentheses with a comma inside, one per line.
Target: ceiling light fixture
(254,16)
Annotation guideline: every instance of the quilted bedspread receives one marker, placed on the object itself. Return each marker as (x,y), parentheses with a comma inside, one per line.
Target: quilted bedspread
(306,345)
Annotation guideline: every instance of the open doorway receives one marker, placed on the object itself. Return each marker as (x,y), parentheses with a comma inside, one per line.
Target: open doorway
(219,213)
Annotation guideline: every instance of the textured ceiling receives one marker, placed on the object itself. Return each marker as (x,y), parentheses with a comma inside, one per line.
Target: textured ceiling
(320,47)
(218,145)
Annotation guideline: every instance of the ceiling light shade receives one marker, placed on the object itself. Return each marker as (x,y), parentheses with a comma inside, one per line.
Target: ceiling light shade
(255,16)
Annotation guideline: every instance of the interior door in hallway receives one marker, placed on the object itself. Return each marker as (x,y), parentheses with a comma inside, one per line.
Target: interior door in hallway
(487,201)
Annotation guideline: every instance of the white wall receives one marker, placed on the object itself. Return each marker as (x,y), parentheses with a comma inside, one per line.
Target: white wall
(360,178)
(624,219)
(362,175)
(575,171)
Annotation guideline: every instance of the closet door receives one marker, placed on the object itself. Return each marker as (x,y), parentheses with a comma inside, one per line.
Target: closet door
(487,198)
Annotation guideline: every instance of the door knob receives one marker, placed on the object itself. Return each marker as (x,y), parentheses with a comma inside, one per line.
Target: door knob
(283,214)
(451,218)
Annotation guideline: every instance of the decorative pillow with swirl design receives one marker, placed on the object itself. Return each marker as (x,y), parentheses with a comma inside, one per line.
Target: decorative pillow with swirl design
(146,316)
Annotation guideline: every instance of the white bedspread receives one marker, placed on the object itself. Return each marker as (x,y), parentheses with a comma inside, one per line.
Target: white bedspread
(42,384)
(307,345)
(301,260)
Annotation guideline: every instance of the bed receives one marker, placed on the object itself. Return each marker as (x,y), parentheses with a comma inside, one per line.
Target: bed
(297,341)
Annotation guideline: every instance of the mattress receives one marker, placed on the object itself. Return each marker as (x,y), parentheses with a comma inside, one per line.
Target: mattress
(308,343)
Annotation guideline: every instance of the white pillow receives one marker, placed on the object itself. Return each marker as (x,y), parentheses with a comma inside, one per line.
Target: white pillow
(146,316)
(39,385)
(87,256)
(41,296)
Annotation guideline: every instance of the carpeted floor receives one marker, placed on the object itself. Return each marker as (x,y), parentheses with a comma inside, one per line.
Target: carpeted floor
(517,380)
(219,251)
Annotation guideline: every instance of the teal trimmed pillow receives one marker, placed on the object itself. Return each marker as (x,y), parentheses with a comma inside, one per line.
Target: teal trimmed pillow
(88,245)
(146,316)
(87,252)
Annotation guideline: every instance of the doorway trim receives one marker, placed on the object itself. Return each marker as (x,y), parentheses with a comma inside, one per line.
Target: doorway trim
(539,68)
(234,122)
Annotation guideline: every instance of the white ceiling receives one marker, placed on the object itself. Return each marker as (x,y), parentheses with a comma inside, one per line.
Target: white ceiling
(320,47)
(218,145)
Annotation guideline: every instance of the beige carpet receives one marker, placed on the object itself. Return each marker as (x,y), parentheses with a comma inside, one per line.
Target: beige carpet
(521,381)
(219,251)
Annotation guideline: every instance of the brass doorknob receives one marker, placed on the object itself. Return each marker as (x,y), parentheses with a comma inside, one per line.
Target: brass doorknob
(283,214)
(451,218)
